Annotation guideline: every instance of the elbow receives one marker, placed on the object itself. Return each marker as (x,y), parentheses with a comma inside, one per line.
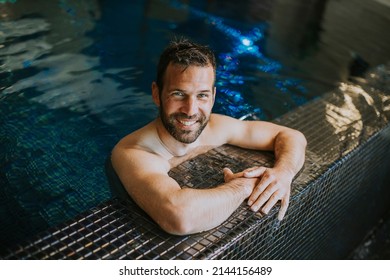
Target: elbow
(298,136)
(177,221)
(176,228)
(301,137)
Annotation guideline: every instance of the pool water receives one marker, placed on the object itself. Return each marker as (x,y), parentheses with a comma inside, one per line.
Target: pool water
(75,77)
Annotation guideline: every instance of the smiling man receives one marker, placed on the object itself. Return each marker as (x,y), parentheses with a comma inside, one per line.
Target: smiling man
(184,91)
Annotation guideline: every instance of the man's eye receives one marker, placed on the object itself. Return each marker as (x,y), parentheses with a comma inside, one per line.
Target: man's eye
(178,93)
(203,96)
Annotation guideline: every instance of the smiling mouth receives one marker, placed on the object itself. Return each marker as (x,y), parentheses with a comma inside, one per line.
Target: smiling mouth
(186,123)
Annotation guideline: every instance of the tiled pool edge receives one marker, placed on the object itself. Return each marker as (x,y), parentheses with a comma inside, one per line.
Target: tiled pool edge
(336,198)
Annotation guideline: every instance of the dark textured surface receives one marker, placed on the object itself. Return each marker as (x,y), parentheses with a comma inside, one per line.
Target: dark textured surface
(376,245)
(338,196)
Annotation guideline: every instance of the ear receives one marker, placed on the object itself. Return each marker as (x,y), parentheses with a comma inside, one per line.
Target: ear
(214,92)
(156,94)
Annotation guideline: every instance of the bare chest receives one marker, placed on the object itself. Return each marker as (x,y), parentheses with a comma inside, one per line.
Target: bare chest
(175,161)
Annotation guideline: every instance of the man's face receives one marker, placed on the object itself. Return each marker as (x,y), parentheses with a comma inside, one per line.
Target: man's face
(186,101)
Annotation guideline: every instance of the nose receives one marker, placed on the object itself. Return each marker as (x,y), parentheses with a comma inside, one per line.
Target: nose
(190,106)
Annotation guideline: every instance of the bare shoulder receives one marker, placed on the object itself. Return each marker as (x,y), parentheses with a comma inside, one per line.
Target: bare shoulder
(220,123)
(245,133)
(131,159)
(224,127)
(134,154)
(218,119)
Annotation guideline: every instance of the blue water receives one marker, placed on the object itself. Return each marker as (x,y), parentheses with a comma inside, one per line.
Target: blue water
(75,77)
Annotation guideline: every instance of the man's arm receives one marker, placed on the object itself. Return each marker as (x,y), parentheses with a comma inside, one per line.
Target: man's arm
(289,148)
(177,210)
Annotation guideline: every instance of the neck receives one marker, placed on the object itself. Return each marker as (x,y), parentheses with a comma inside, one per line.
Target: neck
(175,152)
(170,144)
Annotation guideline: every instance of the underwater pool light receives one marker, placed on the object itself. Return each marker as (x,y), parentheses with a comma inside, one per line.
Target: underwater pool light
(246,42)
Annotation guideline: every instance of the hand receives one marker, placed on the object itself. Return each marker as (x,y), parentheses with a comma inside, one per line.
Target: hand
(228,175)
(274,185)
(246,184)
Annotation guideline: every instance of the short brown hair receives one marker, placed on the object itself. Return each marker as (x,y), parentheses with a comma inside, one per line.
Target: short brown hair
(184,53)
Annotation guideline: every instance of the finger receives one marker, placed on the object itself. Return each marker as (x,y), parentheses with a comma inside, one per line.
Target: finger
(262,190)
(261,201)
(270,203)
(254,172)
(227,170)
(250,170)
(230,175)
(227,174)
(283,208)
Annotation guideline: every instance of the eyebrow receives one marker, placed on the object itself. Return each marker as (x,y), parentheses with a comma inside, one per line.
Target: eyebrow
(182,90)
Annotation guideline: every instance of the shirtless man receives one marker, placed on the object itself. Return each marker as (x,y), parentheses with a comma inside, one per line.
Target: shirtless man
(184,92)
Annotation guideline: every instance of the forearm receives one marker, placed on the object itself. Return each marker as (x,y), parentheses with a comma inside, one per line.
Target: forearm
(202,209)
(289,149)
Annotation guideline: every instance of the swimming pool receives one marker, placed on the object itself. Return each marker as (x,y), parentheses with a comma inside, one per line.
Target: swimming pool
(75,77)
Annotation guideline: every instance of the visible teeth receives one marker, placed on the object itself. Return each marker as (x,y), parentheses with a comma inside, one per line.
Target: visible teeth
(187,122)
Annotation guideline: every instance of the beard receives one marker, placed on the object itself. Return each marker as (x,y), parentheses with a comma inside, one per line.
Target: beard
(183,135)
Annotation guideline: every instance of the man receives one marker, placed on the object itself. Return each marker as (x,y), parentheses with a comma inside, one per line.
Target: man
(184,92)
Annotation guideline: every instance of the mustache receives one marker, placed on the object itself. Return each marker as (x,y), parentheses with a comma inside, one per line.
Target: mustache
(185,116)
